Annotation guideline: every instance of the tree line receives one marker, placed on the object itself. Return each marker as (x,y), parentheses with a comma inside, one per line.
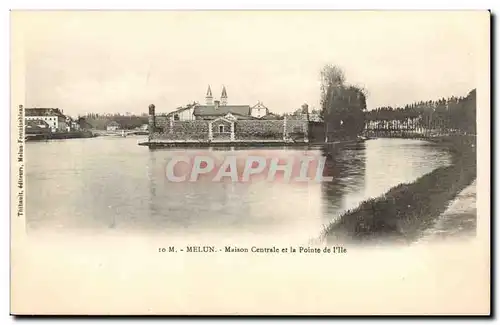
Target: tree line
(345,114)
(101,121)
(448,114)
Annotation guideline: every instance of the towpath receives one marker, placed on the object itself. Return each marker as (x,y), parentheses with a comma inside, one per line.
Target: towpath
(459,219)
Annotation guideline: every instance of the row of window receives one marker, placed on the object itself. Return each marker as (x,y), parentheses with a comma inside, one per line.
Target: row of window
(41,118)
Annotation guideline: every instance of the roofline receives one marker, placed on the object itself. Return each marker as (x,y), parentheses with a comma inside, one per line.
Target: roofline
(182,109)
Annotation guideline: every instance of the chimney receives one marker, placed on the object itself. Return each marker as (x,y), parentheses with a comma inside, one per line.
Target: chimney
(216,103)
(151,121)
(305,110)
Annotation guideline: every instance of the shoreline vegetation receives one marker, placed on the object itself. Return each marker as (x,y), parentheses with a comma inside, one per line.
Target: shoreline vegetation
(407,209)
(59,135)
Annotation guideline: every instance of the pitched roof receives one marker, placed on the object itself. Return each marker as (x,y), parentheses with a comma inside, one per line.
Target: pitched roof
(42,112)
(259,105)
(244,117)
(113,123)
(270,116)
(224,93)
(179,110)
(209,91)
(204,110)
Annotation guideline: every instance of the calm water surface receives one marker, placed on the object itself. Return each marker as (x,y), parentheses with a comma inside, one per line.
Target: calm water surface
(113,185)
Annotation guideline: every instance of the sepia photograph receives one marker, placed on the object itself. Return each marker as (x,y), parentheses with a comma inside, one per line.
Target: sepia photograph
(264,162)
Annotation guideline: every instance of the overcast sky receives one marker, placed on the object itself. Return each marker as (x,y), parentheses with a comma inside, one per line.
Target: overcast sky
(123,61)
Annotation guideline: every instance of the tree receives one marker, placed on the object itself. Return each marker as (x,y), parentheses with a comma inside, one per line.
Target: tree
(343,106)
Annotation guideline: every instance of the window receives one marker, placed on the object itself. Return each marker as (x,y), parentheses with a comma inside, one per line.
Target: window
(176,117)
(221,128)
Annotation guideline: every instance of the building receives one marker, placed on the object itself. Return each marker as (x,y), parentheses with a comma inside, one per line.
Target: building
(259,110)
(72,125)
(214,109)
(55,119)
(37,127)
(183,113)
(112,126)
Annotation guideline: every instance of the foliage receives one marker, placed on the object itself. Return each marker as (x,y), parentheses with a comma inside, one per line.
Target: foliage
(454,113)
(342,105)
(100,121)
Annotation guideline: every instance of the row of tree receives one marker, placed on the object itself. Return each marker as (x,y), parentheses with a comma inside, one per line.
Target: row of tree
(452,114)
(344,111)
(101,121)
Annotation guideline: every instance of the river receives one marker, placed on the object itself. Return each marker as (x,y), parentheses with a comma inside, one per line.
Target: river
(112,185)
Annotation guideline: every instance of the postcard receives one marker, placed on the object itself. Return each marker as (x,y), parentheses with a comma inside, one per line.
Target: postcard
(293,162)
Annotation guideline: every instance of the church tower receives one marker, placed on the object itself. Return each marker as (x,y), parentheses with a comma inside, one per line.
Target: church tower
(208,98)
(223,97)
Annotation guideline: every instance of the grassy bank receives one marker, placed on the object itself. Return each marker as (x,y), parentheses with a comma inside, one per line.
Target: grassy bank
(406,209)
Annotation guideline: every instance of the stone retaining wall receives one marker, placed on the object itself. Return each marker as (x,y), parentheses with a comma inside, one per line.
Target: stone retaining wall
(199,130)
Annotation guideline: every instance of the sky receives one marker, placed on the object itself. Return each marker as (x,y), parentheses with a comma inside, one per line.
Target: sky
(122,61)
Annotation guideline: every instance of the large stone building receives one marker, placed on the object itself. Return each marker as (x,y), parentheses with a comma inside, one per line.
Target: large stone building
(214,109)
(219,122)
(55,119)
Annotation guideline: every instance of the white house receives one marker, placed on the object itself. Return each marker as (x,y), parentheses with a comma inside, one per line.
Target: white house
(259,110)
(183,113)
(112,126)
(52,116)
(72,124)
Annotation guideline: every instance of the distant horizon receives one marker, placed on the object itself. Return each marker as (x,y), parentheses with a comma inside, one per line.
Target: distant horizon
(119,61)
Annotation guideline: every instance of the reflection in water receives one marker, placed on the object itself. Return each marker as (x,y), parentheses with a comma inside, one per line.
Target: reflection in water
(256,208)
(112,184)
(367,170)
(346,164)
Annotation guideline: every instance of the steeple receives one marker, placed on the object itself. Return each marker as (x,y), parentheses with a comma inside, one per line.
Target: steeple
(208,97)
(223,97)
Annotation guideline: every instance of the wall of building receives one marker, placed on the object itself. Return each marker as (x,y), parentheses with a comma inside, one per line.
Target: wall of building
(297,129)
(52,121)
(186,115)
(62,126)
(258,130)
(180,130)
(259,111)
(198,130)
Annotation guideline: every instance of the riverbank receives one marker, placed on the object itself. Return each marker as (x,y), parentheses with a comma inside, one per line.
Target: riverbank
(60,135)
(407,209)
(238,144)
